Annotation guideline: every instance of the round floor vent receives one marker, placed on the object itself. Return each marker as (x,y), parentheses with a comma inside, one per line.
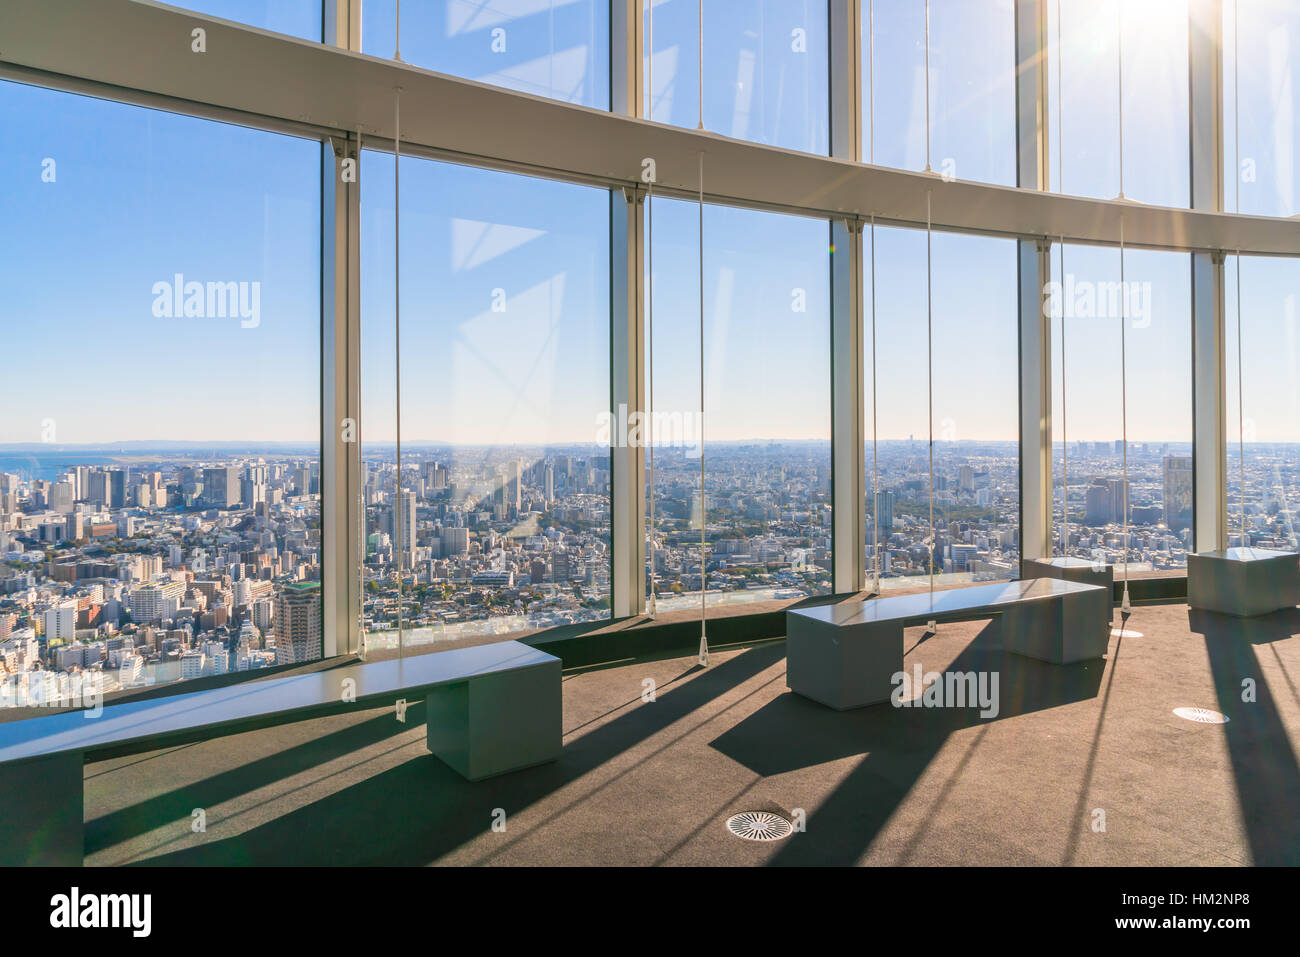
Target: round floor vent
(1201,715)
(759,826)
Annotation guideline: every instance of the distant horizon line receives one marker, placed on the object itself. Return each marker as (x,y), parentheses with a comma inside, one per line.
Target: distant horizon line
(188,445)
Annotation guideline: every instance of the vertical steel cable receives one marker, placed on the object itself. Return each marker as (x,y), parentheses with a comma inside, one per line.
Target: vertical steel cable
(362,636)
(1241,412)
(701,78)
(1060,185)
(871,87)
(654,600)
(397,319)
(650,59)
(1119,61)
(1125,604)
(397,349)
(1065,439)
(650,385)
(704,640)
(1236,191)
(929,380)
(875,455)
(928,168)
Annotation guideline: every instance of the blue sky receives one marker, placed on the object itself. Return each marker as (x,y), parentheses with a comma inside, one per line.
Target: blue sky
(141,195)
(138,196)
(505,305)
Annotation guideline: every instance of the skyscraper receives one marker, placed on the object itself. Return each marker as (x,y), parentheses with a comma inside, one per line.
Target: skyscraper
(117,488)
(1178,491)
(221,486)
(403,518)
(297,623)
(886,510)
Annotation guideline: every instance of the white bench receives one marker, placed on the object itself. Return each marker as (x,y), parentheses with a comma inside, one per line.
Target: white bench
(845,655)
(489,709)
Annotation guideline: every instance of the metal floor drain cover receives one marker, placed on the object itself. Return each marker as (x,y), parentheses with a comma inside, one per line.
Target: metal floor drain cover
(759,826)
(1125,633)
(1201,715)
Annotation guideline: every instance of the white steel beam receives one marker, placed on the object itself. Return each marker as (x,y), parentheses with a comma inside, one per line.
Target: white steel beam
(132,48)
(1034,271)
(1209,448)
(846,79)
(626,55)
(340,395)
(848,432)
(342,515)
(627,397)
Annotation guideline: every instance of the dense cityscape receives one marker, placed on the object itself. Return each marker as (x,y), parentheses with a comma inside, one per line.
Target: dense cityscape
(146,567)
(492,541)
(152,567)
(1159,504)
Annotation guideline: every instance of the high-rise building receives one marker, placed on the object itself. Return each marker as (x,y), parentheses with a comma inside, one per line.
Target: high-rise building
(98,491)
(252,487)
(515,484)
(117,481)
(192,664)
(1178,491)
(154,602)
(1104,502)
(401,517)
(221,486)
(886,499)
(1099,507)
(455,540)
(560,570)
(62,495)
(297,623)
(61,622)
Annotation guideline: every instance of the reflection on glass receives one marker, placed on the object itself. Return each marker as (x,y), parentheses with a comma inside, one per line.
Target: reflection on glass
(297,18)
(1159,413)
(1261,102)
(552,48)
(765,70)
(160,446)
(504,508)
(1084,86)
(1266,422)
(972,119)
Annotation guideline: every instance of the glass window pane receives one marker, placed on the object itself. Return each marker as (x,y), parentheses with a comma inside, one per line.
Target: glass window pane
(674,380)
(1083,100)
(972,88)
(505,393)
(553,48)
(1092,421)
(976,419)
(160,483)
(765,70)
(297,18)
(1265,422)
(1260,106)
(766,376)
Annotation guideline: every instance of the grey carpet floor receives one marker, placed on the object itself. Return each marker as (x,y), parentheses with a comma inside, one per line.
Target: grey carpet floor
(1085,765)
